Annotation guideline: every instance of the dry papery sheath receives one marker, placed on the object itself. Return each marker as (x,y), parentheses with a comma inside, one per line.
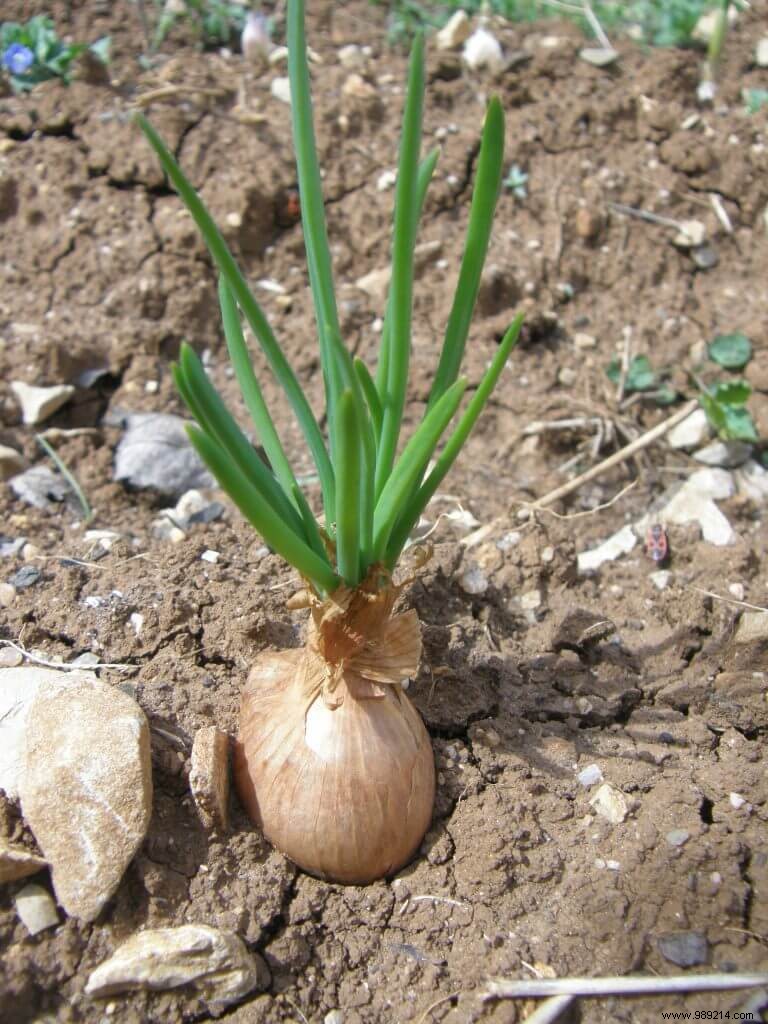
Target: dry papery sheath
(333,761)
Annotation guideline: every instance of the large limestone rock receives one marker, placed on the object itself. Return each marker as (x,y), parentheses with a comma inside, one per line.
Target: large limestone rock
(86,787)
(215,962)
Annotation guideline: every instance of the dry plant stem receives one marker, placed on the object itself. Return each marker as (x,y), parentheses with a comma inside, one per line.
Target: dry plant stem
(730,600)
(616,459)
(652,218)
(596,987)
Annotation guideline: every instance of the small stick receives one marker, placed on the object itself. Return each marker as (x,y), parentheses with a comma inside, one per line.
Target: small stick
(730,600)
(616,459)
(438,1002)
(652,218)
(597,987)
(64,666)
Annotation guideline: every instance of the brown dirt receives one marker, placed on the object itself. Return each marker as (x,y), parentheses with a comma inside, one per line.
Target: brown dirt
(102,271)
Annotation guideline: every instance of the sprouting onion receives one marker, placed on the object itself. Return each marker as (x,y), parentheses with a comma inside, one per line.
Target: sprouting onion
(333,761)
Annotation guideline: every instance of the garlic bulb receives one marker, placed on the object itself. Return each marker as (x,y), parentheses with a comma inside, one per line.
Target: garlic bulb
(333,761)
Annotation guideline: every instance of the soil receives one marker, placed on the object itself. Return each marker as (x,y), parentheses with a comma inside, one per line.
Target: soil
(103,272)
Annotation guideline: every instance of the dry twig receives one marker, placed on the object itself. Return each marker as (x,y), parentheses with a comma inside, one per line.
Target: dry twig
(613,460)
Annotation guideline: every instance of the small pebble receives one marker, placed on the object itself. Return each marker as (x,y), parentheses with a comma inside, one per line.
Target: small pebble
(590,775)
(473,580)
(660,579)
(678,837)
(7,595)
(27,576)
(30,552)
(566,376)
(610,804)
(686,949)
(281,89)
(583,341)
(736,800)
(386,180)
(736,590)
(210,556)
(36,908)
(10,658)
(509,540)
(548,555)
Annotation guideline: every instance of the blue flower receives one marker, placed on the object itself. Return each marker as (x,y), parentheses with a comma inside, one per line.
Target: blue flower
(18,58)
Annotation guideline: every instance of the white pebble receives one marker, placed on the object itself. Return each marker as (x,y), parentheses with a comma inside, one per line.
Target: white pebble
(590,775)
(210,556)
(736,800)
(736,590)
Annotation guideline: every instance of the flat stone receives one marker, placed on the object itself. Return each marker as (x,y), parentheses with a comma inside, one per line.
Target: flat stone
(455,32)
(610,804)
(761,52)
(678,837)
(216,963)
(26,576)
(155,453)
(86,786)
(686,949)
(727,454)
(618,544)
(752,628)
(40,487)
(18,688)
(599,56)
(209,777)
(694,502)
(691,432)
(17,862)
(37,404)
(11,462)
(36,908)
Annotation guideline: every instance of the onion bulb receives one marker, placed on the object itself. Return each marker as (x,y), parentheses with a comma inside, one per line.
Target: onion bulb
(333,761)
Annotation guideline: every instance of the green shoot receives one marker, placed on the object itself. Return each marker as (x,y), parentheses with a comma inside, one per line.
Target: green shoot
(69,476)
(372,496)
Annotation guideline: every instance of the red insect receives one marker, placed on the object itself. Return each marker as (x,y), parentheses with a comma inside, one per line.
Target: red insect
(657,543)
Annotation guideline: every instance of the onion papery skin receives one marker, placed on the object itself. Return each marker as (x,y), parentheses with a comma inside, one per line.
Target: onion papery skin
(345,792)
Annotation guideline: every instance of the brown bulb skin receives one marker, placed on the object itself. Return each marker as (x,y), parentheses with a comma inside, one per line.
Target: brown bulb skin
(346,792)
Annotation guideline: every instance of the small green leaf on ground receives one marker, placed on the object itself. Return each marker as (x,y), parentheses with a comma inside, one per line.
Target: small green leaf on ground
(640,376)
(755,99)
(731,351)
(725,406)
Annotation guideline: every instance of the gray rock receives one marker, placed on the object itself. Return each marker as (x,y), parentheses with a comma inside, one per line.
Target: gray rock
(36,909)
(85,786)
(678,837)
(26,576)
(155,453)
(215,962)
(728,454)
(686,949)
(40,487)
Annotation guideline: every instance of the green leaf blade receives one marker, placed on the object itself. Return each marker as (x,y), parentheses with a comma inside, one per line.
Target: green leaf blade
(731,351)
